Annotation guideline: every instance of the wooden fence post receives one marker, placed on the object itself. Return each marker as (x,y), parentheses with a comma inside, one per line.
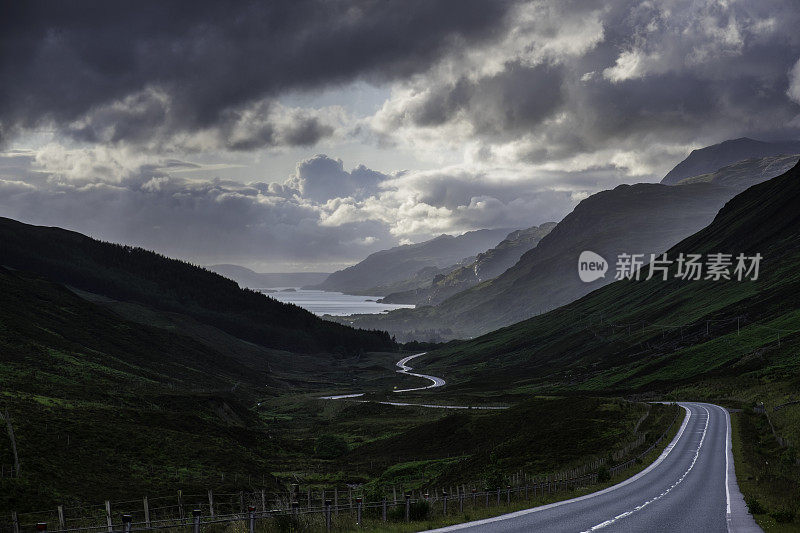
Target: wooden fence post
(15,521)
(146,506)
(61,517)
(196,515)
(180,505)
(327,516)
(108,516)
(211,502)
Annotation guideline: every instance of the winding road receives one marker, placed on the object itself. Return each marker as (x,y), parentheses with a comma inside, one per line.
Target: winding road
(690,487)
(436,382)
(405,369)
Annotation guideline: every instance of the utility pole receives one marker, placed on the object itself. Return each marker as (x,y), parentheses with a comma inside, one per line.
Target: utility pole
(10,428)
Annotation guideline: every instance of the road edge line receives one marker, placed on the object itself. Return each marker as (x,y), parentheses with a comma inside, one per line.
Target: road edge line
(744,522)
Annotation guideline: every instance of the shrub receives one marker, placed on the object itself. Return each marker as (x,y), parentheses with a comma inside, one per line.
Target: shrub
(603,475)
(789,457)
(783,516)
(330,446)
(754,506)
(419,510)
(286,523)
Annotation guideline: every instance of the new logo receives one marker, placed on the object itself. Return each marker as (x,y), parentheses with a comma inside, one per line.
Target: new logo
(591,266)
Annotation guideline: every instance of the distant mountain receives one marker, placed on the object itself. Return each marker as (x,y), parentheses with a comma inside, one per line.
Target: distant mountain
(720,155)
(256,280)
(748,172)
(644,218)
(387,271)
(487,265)
(701,335)
(136,275)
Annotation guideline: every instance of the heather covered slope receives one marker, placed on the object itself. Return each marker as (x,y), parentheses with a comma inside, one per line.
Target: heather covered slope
(101,406)
(136,275)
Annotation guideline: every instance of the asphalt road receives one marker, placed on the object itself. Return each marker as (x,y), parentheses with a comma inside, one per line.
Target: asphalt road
(405,369)
(691,487)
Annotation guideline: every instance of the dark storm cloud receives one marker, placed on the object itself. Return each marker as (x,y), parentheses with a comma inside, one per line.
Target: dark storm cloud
(190,65)
(517,99)
(672,72)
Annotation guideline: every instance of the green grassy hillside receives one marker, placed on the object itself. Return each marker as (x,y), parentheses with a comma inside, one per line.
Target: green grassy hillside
(100,405)
(480,448)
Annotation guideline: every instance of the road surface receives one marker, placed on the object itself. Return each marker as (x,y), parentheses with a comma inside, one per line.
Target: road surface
(405,369)
(691,487)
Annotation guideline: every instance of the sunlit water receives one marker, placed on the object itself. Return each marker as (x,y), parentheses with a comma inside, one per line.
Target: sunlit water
(332,303)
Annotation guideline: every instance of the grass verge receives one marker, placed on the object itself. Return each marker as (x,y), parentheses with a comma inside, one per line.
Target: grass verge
(768,474)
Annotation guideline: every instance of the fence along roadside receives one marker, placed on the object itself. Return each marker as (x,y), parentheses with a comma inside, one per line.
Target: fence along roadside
(250,507)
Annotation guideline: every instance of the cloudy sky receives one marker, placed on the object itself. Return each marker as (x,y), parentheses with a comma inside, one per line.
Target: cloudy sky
(304,135)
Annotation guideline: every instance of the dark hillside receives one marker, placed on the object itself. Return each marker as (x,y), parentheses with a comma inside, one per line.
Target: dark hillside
(137,275)
(638,335)
(104,408)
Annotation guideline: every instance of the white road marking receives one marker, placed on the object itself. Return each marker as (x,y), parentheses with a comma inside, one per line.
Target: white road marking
(678,482)
(728,452)
(484,407)
(341,396)
(619,485)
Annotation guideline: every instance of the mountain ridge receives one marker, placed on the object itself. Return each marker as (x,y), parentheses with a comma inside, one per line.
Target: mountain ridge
(258,280)
(714,157)
(487,265)
(639,218)
(387,271)
(631,335)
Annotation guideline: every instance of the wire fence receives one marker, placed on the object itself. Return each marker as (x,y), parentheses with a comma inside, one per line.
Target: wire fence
(338,507)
